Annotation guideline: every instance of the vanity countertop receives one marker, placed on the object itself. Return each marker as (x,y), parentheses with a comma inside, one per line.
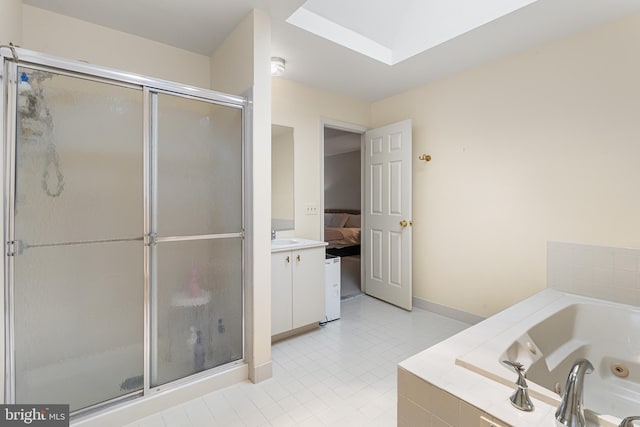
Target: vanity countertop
(292,243)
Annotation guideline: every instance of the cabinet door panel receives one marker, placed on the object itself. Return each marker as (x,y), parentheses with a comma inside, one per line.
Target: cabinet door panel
(281,298)
(308,286)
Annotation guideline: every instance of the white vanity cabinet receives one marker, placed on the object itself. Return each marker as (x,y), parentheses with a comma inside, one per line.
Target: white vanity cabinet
(297,288)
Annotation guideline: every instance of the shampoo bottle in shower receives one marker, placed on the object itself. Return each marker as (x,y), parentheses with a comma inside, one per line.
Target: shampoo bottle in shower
(198,353)
(24,90)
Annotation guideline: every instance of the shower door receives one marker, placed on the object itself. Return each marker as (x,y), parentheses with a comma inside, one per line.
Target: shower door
(78,250)
(197,236)
(124,232)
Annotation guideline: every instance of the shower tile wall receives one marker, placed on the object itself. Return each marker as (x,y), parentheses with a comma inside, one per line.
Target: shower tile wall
(596,271)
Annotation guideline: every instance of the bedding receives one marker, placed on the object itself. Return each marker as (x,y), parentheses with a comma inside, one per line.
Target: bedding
(342,228)
(335,219)
(340,237)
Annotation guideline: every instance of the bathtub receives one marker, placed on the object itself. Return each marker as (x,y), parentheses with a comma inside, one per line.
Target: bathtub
(548,341)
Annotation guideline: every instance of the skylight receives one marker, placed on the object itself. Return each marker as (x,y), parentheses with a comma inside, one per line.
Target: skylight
(391,31)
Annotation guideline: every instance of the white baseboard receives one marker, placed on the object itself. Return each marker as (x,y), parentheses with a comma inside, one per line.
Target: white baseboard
(446,311)
(261,372)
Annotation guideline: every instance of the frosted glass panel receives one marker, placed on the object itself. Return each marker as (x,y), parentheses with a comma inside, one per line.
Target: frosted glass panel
(199,167)
(199,306)
(79,160)
(78,307)
(79,323)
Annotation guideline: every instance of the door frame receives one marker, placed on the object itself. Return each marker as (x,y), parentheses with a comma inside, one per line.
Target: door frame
(347,127)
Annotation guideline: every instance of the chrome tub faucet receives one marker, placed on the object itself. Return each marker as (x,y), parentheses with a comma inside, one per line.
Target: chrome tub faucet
(571,410)
(628,422)
(520,398)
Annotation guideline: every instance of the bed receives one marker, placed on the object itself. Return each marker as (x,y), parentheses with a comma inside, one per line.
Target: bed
(342,231)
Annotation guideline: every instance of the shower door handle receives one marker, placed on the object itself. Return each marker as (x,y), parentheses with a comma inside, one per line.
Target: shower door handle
(150,239)
(14,248)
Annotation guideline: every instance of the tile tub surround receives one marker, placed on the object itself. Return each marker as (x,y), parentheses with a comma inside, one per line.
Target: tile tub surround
(440,391)
(422,404)
(601,272)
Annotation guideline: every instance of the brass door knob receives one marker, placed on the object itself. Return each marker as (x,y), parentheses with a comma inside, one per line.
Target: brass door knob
(403,223)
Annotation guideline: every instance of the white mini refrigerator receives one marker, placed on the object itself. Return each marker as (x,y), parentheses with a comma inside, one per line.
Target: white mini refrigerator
(332,286)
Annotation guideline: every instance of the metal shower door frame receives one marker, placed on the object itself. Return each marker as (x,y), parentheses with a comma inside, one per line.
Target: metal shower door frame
(149,86)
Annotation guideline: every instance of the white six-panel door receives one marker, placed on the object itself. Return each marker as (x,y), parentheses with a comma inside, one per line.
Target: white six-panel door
(387,215)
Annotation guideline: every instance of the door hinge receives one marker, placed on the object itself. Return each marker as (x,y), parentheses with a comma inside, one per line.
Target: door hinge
(14,248)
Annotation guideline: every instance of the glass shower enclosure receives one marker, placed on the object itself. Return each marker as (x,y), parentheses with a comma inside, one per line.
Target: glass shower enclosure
(124,231)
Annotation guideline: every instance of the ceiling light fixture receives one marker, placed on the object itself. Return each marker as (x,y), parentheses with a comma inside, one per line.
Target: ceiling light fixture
(277,66)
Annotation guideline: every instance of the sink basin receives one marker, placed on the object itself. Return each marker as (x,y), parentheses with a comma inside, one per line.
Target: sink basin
(283,242)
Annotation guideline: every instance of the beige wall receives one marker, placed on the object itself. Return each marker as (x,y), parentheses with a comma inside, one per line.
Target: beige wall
(261,176)
(303,108)
(232,62)
(543,145)
(342,179)
(55,34)
(240,63)
(11,22)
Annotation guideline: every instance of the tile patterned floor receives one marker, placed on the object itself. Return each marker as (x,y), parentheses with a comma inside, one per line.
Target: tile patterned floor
(343,374)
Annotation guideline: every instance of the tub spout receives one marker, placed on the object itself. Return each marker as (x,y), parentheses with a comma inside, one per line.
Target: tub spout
(571,410)
(628,422)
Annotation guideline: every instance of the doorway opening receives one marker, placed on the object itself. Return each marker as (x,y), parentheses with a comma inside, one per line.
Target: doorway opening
(343,203)
(384,216)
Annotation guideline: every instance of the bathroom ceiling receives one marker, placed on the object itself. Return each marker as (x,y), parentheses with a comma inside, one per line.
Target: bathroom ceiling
(462,36)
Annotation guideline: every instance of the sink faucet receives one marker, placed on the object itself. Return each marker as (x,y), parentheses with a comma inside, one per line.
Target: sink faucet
(571,410)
